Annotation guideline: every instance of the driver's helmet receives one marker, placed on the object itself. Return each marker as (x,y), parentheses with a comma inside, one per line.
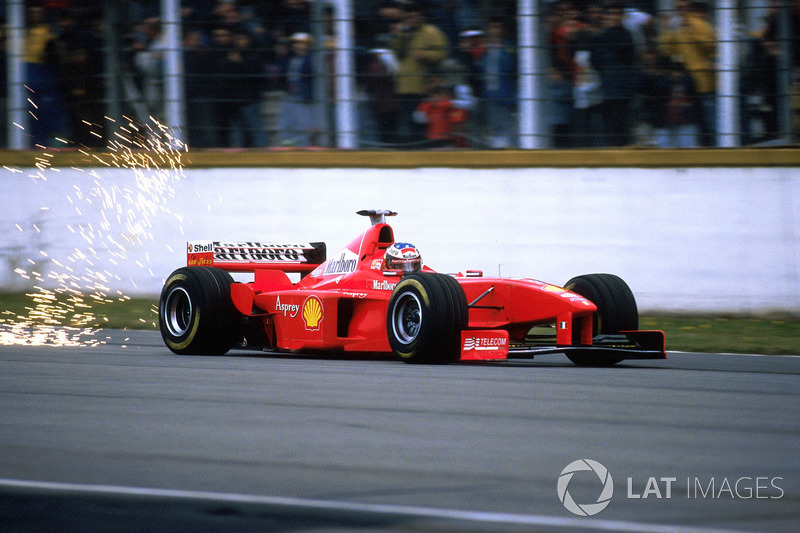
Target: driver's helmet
(402,256)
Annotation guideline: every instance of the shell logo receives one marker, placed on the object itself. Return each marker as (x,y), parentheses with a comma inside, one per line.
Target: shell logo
(312,313)
(553,288)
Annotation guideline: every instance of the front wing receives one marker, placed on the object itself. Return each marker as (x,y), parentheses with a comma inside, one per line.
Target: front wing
(477,345)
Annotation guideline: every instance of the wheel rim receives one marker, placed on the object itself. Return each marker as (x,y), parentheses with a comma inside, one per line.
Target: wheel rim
(178,311)
(407,318)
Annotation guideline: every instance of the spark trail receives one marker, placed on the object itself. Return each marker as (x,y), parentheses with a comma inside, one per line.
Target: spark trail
(67,293)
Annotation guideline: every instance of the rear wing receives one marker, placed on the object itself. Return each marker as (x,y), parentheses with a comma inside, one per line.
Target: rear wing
(301,257)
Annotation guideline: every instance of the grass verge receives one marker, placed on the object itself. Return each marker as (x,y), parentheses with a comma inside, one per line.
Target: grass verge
(88,312)
(778,335)
(725,334)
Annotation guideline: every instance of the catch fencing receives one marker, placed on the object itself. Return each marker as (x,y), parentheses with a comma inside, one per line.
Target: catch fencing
(348,74)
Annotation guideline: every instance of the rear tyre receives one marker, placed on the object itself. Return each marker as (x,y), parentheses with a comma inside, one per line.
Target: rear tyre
(424,319)
(196,314)
(616,311)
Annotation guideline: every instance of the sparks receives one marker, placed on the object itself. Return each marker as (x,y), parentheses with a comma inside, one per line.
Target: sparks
(66,314)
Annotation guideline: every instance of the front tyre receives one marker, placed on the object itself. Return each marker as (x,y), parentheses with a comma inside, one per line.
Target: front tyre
(424,319)
(196,314)
(616,311)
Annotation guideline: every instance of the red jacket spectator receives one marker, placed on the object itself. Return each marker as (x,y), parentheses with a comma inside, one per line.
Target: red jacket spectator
(441,115)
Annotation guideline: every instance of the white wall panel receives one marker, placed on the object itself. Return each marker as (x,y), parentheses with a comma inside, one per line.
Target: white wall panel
(689,239)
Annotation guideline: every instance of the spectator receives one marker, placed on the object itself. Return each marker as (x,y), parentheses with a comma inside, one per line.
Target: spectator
(463,100)
(276,67)
(471,49)
(499,69)
(639,24)
(149,59)
(49,114)
(250,19)
(470,54)
(682,109)
(300,122)
(378,81)
(289,18)
(373,21)
(587,101)
(759,86)
(440,114)
(197,12)
(563,26)
(245,71)
(454,17)
(227,14)
(223,107)
(773,48)
(691,38)
(420,48)
(655,91)
(614,58)
(79,60)
(587,95)
(240,16)
(200,94)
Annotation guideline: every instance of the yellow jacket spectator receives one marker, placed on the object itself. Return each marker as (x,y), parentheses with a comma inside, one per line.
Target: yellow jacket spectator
(38,37)
(420,47)
(692,42)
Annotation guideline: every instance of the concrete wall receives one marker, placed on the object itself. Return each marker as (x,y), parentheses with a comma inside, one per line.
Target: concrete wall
(719,239)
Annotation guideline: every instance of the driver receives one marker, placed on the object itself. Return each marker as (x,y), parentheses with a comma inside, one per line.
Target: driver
(402,256)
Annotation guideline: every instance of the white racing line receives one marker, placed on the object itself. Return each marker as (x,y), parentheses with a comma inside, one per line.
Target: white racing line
(509,519)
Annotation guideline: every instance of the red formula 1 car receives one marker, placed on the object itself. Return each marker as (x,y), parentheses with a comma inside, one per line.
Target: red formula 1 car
(374,296)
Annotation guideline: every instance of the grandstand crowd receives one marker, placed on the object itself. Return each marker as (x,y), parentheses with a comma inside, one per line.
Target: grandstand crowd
(430,74)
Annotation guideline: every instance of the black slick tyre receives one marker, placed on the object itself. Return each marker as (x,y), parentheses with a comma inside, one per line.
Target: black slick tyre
(424,318)
(196,314)
(616,311)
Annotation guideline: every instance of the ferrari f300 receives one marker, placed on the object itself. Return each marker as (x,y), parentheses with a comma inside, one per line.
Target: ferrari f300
(375,296)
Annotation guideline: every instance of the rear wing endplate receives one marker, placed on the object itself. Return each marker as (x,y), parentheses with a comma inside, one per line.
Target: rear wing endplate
(300,257)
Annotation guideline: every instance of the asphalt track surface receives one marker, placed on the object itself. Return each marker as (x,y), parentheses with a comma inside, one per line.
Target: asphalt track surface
(129,437)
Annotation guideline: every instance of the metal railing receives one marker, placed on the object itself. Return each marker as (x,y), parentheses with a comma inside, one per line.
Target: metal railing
(550,77)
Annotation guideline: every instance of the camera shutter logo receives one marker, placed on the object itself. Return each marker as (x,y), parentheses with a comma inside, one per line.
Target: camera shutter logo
(586,509)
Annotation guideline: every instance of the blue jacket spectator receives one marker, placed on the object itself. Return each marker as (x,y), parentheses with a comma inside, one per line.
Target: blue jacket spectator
(499,67)
(300,121)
